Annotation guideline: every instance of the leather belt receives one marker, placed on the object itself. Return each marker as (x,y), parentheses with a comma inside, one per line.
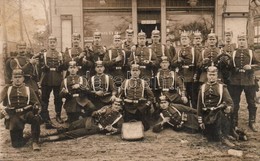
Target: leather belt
(131,101)
(143,67)
(118,68)
(75,95)
(52,69)
(241,71)
(185,66)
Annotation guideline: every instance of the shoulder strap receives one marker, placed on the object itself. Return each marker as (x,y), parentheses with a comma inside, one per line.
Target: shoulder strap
(251,56)
(107,82)
(65,83)
(220,89)
(70,53)
(193,55)
(150,54)
(143,85)
(163,48)
(8,94)
(123,51)
(126,85)
(81,80)
(158,78)
(92,83)
(45,57)
(28,94)
(17,62)
(110,54)
(203,54)
(173,76)
(233,57)
(203,86)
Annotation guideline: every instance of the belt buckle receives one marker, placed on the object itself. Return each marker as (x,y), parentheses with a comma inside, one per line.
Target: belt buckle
(165,89)
(52,69)
(143,67)
(75,95)
(118,68)
(242,71)
(135,101)
(185,66)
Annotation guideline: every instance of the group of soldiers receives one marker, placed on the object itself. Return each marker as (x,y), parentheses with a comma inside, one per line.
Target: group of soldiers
(193,87)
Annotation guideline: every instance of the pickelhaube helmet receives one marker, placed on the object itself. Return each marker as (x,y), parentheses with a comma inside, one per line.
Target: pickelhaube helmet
(197,33)
(72,63)
(75,34)
(141,34)
(99,63)
(155,32)
(185,34)
(242,35)
(212,34)
(135,66)
(212,69)
(17,72)
(117,36)
(51,37)
(162,98)
(129,31)
(164,59)
(228,32)
(97,34)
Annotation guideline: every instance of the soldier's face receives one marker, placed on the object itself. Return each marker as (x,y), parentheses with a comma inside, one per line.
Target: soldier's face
(52,44)
(100,69)
(17,80)
(135,73)
(228,37)
(242,43)
(129,37)
(156,39)
(21,49)
(116,106)
(197,40)
(212,77)
(73,70)
(165,65)
(185,41)
(117,43)
(97,40)
(141,41)
(212,41)
(75,41)
(164,105)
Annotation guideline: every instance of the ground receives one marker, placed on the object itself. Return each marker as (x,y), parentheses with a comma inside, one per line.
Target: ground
(168,145)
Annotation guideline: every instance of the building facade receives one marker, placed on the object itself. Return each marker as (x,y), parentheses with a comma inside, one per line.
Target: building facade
(169,16)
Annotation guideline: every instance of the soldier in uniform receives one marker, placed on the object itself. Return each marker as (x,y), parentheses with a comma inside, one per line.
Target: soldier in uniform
(128,43)
(244,63)
(102,87)
(214,106)
(138,97)
(75,53)
(170,48)
(29,67)
(115,61)
(107,120)
(186,60)
(145,57)
(74,89)
(229,47)
(21,107)
(176,116)
(170,84)
(51,81)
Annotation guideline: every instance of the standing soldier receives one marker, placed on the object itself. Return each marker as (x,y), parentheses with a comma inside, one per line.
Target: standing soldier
(214,105)
(75,53)
(185,60)
(28,66)
(102,87)
(243,79)
(115,61)
(145,57)
(51,81)
(74,89)
(170,48)
(128,43)
(22,106)
(229,47)
(138,97)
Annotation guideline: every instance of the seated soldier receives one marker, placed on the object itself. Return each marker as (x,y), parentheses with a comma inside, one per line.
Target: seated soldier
(176,116)
(137,97)
(74,89)
(21,106)
(107,120)
(214,106)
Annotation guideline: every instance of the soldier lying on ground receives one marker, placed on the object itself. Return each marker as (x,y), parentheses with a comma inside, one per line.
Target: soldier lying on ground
(108,120)
(176,116)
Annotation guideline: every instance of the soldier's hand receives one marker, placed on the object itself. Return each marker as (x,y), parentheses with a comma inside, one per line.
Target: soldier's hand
(118,58)
(202,126)
(180,60)
(113,98)
(3,113)
(99,93)
(228,109)
(184,99)
(33,61)
(247,67)
(166,119)
(205,61)
(76,86)
(64,90)
(133,48)
(40,92)
(81,55)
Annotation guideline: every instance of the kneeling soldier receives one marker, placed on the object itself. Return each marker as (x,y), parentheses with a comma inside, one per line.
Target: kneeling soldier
(107,120)
(74,89)
(21,106)
(214,106)
(176,116)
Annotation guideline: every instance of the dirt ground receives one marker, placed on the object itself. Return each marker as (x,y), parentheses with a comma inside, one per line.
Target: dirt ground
(168,145)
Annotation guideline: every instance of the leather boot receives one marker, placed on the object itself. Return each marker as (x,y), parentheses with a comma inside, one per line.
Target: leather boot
(49,125)
(252,124)
(36,146)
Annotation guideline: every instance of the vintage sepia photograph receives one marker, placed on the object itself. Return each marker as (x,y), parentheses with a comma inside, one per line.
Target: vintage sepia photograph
(129,80)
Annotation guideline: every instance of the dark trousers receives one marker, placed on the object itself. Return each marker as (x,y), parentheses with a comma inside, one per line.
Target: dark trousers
(16,130)
(46,91)
(192,90)
(250,93)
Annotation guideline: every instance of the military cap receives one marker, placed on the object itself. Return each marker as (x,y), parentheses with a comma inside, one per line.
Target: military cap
(52,38)
(163,98)
(97,34)
(164,59)
(99,63)
(135,66)
(197,33)
(72,63)
(185,34)
(212,34)
(17,72)
(75,34)
(141,34)
(129,31)
(228,32)
(155,32)
(212,69)
(117,37)
(242,35)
